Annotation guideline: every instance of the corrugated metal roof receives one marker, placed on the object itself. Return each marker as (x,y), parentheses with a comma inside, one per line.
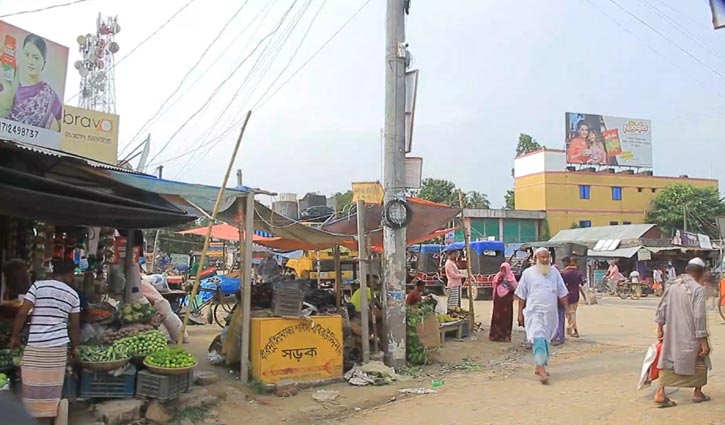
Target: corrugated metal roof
(615,253)
(59,154)
(594,234)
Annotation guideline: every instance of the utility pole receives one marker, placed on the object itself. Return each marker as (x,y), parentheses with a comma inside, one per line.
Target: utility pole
(394,272)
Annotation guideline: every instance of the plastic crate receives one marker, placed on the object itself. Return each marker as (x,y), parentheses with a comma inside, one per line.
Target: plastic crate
(105,385)
(70,386)
(162,387)
(287,302)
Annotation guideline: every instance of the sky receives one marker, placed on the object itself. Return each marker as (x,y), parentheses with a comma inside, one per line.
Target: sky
(489,70)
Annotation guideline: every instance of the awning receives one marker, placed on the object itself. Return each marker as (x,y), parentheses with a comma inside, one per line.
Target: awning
(292,235)
(428,219)
(616,253)
(53,200)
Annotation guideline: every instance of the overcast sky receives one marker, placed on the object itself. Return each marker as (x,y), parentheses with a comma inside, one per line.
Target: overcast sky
(489,70)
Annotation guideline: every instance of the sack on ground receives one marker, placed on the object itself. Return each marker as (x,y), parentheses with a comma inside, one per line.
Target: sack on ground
(429,332)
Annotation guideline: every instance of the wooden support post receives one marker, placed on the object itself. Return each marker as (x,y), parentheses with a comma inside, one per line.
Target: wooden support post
(217,205)
(363,263)
(247,287)
(470,280)
(338,275)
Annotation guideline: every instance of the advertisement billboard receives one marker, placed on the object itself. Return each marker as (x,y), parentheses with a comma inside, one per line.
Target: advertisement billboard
(90,134)
(604,140)
(32,86)
(691,240)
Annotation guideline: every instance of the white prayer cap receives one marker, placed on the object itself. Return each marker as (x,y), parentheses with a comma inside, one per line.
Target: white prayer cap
(696,262)
(540,250)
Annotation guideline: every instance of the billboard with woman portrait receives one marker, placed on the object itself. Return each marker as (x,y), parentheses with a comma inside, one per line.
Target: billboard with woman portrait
(32,85)
(604,140)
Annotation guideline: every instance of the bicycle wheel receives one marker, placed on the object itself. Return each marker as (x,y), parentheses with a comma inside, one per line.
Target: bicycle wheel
(623,292)
(636,292)
(721,307)
(220,315)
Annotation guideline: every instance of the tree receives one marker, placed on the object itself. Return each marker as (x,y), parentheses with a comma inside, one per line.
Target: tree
(342,200)
(510,200)
(527,144)
(700,207)
(446,192)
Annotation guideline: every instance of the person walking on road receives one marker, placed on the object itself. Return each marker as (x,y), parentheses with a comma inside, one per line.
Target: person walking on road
(539,292)
(502,318)
(574,281)
(455,280)
(658,281)
(682,327)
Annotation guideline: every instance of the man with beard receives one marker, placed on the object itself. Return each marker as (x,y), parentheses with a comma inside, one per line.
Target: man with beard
(540,290)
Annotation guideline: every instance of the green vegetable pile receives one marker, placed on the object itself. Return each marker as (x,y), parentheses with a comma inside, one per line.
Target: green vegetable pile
(143,344)
(136,313)
(3,380)
(101,354)
(415,352)
(171,358)
(10,357)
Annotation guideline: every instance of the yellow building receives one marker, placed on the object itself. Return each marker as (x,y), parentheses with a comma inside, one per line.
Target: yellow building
(587,197)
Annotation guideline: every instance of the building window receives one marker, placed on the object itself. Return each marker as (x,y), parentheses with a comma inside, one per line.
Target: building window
(616,193)
(585,223)
(584,192)
(626,222)
(613,223)
(654,190)
(639,189)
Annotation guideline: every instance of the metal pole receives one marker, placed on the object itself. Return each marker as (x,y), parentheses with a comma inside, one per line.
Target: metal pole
(393,287)
(156,238)
(247,287)
(217,205)
(338,275)
(470,279)
(363,262)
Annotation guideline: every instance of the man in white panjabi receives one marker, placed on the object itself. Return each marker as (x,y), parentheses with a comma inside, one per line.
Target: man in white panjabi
(682,327)
(540,290)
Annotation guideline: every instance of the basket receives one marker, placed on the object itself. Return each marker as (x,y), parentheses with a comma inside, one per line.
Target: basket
(105,366)
(169,370)
(163,387)
(104,385)
(287,301)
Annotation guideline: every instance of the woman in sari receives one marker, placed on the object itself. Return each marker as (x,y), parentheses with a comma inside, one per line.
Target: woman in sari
(579,148)
(35,102)
(502,319)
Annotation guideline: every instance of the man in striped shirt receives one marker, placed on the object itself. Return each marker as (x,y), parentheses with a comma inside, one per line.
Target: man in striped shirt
(52,305)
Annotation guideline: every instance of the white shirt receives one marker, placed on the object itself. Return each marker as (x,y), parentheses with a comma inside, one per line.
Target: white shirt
(657,276)
(634,276)
(541,293)
(53,303)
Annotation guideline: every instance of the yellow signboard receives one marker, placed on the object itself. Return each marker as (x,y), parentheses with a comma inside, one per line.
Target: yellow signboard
(90,134)
(370,192)
(297,349)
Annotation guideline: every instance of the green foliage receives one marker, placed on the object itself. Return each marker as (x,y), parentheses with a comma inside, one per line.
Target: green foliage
(527,144)
(574,225)
(510,200)
(702,206)
(415,352)
(342,200)
(446,192)
(545,232)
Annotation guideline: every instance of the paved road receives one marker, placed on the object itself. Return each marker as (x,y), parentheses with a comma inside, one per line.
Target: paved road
(593,381)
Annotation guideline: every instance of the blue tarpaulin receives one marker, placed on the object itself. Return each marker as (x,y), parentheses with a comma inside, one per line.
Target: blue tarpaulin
(229,286)
(478,247)
(427,248)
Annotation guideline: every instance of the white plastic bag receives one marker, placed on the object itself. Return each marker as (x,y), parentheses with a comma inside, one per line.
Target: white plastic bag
(171,322)
(649,359)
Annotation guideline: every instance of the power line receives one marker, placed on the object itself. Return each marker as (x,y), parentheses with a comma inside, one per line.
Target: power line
(43,9)
(656,31)
(304,64)
(188,73)
(220,85)
(150,36)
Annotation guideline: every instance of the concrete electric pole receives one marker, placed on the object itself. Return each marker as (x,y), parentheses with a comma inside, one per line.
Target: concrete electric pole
(394,258)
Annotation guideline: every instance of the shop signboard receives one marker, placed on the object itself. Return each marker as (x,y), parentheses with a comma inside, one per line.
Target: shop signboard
(718,13)
(119,253)
(370,192)
(90,134)
(609,141)
(32,87)
(691,240)
(644,254)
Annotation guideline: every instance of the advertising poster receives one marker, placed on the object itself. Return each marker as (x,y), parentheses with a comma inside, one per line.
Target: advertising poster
(90,134)
(690,240)
(604,140)
(32,86)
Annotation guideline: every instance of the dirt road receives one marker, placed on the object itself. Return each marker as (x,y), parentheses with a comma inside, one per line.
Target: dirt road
(593,381)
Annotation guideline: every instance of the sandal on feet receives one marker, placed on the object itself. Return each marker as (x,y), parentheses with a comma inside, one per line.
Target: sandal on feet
(665,403)
(703,399)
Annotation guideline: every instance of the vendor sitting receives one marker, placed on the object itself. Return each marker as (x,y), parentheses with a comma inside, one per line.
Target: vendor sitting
(416,295)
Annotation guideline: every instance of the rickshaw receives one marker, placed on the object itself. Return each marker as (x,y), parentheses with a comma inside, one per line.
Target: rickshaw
(487,257)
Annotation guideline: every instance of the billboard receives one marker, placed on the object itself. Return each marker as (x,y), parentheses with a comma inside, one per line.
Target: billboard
(691,240)
(32,85)
(718,13)
(90,134)
(604,140)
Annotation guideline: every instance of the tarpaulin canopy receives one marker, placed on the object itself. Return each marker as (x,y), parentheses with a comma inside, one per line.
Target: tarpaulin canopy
(479,247)
(428,219)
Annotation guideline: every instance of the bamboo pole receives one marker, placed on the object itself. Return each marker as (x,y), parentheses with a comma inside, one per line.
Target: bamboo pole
(246,282)
(338,275)
(467,242)
(217,204)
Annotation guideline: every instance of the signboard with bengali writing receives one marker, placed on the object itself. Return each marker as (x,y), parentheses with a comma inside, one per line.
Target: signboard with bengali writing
(370,192)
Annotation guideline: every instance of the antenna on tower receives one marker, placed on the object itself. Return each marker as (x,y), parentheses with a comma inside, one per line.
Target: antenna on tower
(96,66)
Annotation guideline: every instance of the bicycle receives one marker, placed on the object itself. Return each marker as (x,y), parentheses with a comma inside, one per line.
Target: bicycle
(218,307)
(628,289)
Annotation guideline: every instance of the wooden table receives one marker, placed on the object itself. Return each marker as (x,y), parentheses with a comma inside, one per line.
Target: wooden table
(449,327)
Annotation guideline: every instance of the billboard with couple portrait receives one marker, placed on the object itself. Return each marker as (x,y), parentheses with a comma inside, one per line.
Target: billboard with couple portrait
(605,140)
(32,86)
